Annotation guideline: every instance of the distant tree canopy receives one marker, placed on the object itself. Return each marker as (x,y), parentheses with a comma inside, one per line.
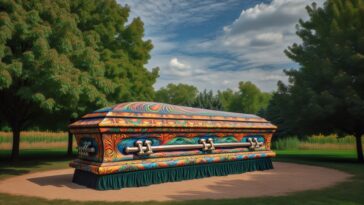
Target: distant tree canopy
(226,97)
(207,100)
(68,57)
(326,93)
(177,94)
(248,99)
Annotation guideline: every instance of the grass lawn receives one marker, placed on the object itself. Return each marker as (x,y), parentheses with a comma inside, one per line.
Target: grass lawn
(350,192)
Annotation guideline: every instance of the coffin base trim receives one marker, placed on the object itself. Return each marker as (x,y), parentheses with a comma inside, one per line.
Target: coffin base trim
(173,174)
(166,162)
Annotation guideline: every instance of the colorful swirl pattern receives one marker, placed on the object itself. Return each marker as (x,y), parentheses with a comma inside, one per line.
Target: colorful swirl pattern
(113,129)
(163,108)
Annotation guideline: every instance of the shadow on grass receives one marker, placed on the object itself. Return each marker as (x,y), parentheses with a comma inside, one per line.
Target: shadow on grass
(37,154)
(13,171)
(31,160)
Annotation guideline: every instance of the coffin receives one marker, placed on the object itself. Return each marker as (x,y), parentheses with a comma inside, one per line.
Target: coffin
(143,143)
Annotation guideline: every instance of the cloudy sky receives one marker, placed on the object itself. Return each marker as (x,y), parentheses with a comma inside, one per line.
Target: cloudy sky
(214,44)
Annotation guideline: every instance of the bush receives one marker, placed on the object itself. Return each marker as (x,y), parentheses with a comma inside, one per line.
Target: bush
(332,139)
(289,143)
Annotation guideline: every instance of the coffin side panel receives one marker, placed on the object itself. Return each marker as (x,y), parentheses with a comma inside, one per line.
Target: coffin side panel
(116,143)
(90,141)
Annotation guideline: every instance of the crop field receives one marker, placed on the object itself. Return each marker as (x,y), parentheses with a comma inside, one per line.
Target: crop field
(35,139)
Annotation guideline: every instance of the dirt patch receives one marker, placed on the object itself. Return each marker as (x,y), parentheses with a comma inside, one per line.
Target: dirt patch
(285,178)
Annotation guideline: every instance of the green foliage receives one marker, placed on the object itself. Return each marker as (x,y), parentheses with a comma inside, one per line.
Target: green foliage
(64,55)
(325,95)
(226,97)
(330,139)
(68,58)
(207,100)
(289,143)
(281,113)
(249,99)
(177,94)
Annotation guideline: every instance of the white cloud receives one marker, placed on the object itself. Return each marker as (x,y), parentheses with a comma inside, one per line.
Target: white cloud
(178,65)
(178,68)
(250,48)
(258,38)
(197,72)
(277,14)
(260,34)
(267,38)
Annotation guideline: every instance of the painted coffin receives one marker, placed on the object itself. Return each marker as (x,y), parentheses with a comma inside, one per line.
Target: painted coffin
(139,136)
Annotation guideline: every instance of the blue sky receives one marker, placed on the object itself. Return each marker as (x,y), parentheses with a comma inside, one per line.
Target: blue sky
(214,44)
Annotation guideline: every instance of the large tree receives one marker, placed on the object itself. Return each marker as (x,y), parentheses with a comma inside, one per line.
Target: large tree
(326,92)
(68,57)
(178,94)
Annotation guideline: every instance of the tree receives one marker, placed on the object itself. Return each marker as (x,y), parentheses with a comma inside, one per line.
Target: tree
(279,112)
(177,94)
(326,95)
(207,100)
(225,97)
(68,57)
(249,99)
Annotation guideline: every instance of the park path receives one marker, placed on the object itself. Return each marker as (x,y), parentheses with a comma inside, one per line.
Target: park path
(285,178)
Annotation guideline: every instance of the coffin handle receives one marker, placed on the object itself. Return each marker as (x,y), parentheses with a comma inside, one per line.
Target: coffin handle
(204,145)
(148,144)
(211,142)
(252,144)
(139,144)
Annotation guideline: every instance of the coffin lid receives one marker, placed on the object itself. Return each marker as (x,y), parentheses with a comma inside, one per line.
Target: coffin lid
(153,114)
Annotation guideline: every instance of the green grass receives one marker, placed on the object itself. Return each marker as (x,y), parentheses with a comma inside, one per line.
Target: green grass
(316,154)
(350,192)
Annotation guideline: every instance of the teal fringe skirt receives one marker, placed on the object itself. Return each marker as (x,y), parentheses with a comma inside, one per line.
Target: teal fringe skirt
(157,176)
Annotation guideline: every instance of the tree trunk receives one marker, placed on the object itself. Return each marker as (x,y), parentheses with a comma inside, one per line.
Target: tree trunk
(16,144)
(70,144)
(359,147)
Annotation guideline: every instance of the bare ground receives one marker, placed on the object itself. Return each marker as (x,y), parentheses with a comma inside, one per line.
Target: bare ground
(285,178)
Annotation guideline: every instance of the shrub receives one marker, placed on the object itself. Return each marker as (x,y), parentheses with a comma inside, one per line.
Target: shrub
(289,143)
